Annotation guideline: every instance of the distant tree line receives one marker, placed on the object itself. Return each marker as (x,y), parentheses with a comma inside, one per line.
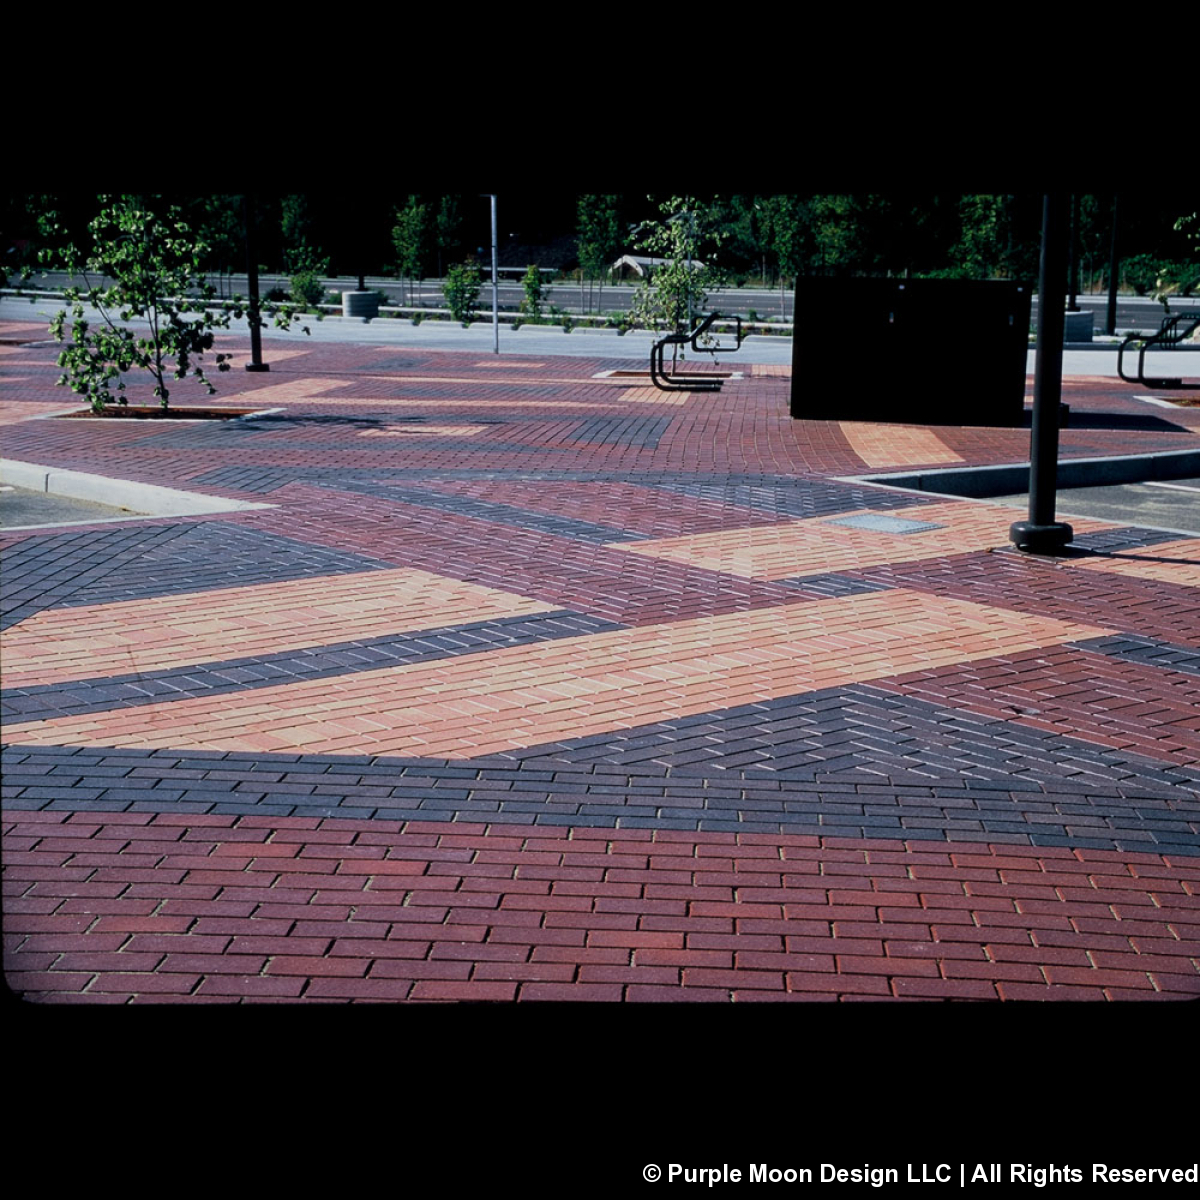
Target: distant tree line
(769,240)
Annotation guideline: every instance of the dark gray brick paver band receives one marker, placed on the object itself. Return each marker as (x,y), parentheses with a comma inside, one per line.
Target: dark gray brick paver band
(319,662)
(860,762)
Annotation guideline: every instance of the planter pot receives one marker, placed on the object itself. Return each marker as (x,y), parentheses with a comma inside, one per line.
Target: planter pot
(1078,326)
(363,305)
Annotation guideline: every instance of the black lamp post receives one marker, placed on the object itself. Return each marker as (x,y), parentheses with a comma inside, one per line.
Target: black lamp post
(1041,534)
(1072,261)
(256,363)
(1114,269)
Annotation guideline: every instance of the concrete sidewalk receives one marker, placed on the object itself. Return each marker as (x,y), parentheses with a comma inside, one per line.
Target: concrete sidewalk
(536,683)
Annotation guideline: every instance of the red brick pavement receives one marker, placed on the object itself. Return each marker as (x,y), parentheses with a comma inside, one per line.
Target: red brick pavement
(140,907)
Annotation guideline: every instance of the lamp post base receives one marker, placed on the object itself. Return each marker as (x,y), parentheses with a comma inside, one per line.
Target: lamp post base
(1040,539)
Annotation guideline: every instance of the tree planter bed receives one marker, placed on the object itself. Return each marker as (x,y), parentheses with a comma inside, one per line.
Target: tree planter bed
(154,412)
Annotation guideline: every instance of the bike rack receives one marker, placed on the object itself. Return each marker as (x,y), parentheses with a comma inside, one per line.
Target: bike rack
(1174,330)
(695,383)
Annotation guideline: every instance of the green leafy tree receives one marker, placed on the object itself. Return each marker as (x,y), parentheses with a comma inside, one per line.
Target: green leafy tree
(412,235)
(788,234)
(144,266)
(305,261)
(999,238)
(299,242)
(837,233)
(1180,278)
(598,239)
(532,304)
(462,292)
(979,251)
(678,285)
(22,218)
(448,230)
(1172,271)
(218,221)
(1094,233)
(746,224)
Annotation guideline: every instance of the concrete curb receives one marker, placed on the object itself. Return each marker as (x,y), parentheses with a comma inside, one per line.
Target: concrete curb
(980,482)
(148,499)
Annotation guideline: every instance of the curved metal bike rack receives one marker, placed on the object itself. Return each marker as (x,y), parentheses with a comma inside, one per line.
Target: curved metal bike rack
(695,383)
(1174,330)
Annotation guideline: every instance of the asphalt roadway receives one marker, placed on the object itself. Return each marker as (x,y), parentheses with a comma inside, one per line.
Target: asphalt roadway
(480,337)
(1173,506)
(1133,312)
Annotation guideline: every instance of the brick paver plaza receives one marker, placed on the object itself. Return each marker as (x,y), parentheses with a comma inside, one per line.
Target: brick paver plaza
(538,684)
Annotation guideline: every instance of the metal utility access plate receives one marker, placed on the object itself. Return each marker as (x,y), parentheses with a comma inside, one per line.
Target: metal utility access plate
(881,524)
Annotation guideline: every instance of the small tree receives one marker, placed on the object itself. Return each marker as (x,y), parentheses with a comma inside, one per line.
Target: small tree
(786,230)
(448,229)
(411,236)
(1180,278)
(677,287)
(144,266)
(838,233)
(532,304)
(598,238)
(306,263)
(462,291)
(747,223)
(218,223)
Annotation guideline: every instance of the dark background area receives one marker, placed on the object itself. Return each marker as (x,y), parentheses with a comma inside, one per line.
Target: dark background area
(883,232)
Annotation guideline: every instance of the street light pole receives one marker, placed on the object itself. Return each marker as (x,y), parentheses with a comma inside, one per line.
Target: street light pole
(1114,266)
(1073,266)
(256,363)
(495,284)
(1041,534)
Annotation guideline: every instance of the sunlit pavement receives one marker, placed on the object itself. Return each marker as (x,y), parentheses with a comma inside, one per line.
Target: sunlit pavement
(535,683)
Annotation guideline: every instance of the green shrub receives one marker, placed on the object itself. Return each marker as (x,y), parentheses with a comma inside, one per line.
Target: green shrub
(532,304)
(1177,279)
(1152,276)
(307,289)
(461,290)
(1140,272)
